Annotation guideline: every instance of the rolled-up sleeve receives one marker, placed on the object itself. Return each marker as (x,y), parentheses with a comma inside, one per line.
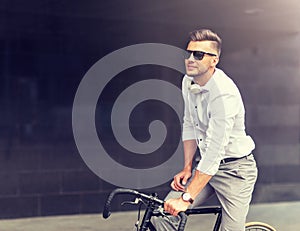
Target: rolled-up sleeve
(222,111)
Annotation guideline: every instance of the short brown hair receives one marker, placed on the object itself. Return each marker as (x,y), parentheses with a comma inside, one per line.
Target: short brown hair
(206,35)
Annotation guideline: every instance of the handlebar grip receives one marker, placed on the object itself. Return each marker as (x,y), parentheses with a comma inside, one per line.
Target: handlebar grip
(183,220)
(106,210)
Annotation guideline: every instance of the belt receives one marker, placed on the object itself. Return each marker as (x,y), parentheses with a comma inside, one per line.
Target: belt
(230,159)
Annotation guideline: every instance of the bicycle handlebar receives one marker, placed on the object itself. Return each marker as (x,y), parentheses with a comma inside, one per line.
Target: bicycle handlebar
(106,210)
(183,220)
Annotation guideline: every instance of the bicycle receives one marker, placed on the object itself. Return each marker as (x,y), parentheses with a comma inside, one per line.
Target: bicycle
(154,207)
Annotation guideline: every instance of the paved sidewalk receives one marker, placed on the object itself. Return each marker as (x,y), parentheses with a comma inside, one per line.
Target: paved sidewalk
(283,216)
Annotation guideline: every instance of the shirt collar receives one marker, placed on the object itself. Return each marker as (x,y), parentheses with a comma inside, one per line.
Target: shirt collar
(211,81)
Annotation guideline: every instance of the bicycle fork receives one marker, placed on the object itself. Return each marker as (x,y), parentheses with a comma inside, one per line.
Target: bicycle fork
(147,216)
(218,222)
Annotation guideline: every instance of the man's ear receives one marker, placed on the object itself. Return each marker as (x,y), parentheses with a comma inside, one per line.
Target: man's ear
(215,61)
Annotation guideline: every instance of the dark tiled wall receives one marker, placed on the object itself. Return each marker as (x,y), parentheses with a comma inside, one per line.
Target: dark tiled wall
(269,78)
(47,181)
(41,171)
(51,180)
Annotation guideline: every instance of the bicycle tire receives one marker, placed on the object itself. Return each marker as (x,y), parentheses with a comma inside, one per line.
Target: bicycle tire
(258,226)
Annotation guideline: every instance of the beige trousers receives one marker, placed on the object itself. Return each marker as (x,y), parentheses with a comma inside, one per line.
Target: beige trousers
(233,185)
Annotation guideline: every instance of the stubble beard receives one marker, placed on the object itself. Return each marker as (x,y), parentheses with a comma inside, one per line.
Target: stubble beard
(199,74)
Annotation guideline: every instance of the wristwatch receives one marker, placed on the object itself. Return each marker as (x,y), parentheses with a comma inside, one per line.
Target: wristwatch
(187,197)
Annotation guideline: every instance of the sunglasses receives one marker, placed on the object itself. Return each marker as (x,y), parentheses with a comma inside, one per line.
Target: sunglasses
(198,55)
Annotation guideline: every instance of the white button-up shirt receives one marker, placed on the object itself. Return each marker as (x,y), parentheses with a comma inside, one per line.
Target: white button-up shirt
(215,118)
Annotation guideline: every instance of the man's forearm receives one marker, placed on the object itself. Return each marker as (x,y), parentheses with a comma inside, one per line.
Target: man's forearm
(189,147)
(198,183)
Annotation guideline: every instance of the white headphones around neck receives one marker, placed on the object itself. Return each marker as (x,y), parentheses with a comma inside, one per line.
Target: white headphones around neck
(194,88)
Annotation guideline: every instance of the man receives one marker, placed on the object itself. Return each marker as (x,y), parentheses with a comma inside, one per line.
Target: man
(214,122)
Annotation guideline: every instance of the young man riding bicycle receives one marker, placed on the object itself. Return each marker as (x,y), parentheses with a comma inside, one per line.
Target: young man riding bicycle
(214,123)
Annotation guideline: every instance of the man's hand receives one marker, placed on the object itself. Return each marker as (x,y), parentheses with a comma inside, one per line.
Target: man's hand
(174,206)
(180,180)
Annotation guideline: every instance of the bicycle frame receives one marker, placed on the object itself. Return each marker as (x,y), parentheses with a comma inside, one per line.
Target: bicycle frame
(154,207)
(207,210)
(153,203)
(195,211)
(149,212)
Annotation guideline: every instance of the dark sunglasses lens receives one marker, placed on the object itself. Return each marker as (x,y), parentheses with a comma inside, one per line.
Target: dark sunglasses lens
(187,54)
(198,55)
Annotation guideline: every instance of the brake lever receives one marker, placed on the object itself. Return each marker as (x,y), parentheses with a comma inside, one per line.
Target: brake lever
(160,210)
(135,202)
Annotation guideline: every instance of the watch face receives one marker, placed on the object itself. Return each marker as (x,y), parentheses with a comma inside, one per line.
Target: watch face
(186,196)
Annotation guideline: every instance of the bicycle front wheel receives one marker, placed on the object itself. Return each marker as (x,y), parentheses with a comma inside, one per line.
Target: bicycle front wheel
(258,226)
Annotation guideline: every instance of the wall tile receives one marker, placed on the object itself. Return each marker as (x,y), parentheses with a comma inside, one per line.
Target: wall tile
(278,192)
(80,181)
(13,207)
(40,182)
(272,155)
(279,174)
(278,115)
(60,204)
(9,183)
(275,135)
